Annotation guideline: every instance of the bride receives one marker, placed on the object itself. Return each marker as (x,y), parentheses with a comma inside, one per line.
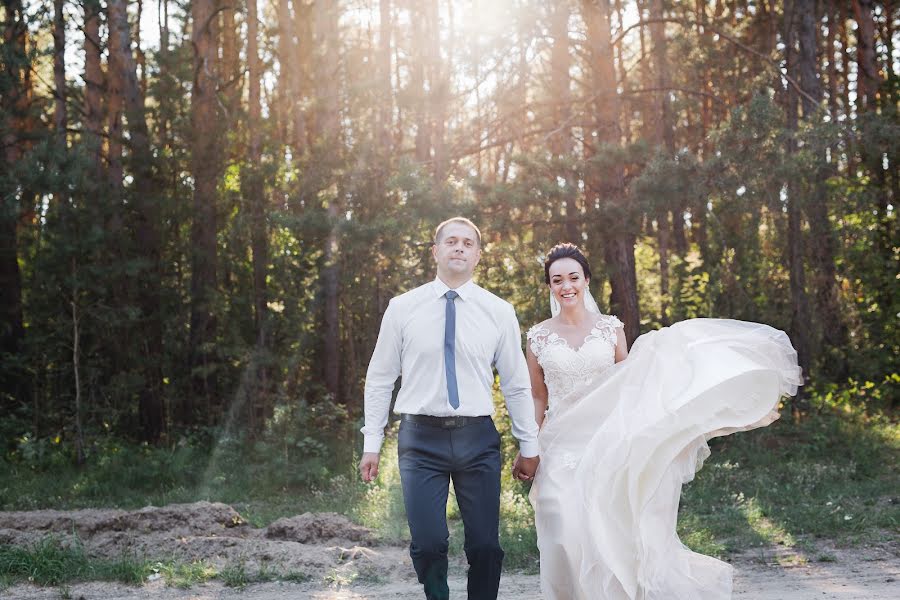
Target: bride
(617,441)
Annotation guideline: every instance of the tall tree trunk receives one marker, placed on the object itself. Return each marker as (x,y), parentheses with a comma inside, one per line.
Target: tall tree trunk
(823,273)
(666,124)
(831,64)
(698,206)
(607,184)
(60,122)
(561,93)
(417,83)
(14,101)
(140,58)
(438,85)
(663,138)
(623,74)
(76,369)
(205,160)
(293,67)
(151,409)
(114,107)
(162,126)
(664,132)
(385,91)
(846,60)
(259,239)
(868,78)
(93,85)
(230,72)
(800,320)
(889,65)
(328,135)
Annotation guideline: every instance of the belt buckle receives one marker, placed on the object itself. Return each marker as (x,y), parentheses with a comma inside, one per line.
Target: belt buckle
(453,422)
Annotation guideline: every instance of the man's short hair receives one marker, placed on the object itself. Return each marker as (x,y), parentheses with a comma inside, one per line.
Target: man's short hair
(461,220)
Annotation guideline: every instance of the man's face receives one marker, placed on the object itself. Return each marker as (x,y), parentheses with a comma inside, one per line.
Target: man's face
(456,252)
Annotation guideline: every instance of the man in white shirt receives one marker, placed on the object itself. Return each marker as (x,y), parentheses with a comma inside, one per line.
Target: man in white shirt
(443,338)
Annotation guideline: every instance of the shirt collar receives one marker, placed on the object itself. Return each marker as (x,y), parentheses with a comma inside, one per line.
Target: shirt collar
(465,290)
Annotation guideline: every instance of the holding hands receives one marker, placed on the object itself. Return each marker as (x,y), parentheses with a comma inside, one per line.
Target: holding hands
(525,468)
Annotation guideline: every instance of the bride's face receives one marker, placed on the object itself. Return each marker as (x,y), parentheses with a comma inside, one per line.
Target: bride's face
(567,282)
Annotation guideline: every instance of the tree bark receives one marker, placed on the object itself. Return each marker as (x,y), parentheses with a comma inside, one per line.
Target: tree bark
(328,136)
(438,85)
(114,107)
(151,409)
(623,76)
(259,238)
(76,369)
(561,94)
(831,64)
(664,139)
(293,68)
(385,95)
(800,320)
(230,73)
(165,83)
(607,184)
(93,85)
(868,78)
(14,100)
(664,132)
(205,160)
(60,122)
(417,84)
(823,273)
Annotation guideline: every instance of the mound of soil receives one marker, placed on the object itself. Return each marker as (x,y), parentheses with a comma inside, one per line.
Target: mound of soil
(319,528)
(313,544)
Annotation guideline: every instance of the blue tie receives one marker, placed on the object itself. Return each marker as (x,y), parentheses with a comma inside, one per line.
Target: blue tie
(450,349)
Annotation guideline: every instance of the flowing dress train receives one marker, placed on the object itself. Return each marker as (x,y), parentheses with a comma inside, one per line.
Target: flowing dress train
(619,440)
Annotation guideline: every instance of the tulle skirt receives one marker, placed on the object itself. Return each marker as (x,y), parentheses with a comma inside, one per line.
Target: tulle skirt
(615,453)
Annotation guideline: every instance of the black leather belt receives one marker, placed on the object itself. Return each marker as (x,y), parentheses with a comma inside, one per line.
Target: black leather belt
(444,422)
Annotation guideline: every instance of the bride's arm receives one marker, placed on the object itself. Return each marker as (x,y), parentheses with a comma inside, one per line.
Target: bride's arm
(538,387)
(621,347)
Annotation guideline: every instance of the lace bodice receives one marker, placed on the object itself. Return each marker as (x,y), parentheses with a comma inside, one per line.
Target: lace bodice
(566,368)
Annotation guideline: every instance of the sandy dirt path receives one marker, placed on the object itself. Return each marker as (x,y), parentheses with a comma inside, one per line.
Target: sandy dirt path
(344,561)
(872,576)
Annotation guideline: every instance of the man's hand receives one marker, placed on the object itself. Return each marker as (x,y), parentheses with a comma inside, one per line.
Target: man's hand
(368,466)
(525,468)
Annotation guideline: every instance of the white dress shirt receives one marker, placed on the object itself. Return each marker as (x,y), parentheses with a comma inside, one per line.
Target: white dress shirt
(411,345)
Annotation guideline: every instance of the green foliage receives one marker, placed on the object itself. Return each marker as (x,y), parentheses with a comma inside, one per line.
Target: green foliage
(303,452)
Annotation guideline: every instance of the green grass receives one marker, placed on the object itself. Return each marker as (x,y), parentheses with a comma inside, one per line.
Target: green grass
(834,476)
(51,562)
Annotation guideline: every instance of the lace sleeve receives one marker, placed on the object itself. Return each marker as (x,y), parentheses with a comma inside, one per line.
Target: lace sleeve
(537,339)
(605,329)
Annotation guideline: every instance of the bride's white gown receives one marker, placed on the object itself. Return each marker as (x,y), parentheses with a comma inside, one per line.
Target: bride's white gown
(620,439)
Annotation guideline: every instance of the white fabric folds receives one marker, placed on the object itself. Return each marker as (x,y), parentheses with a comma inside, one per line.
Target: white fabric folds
(617,448)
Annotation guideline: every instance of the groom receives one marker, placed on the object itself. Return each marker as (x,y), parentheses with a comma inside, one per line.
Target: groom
(443,338)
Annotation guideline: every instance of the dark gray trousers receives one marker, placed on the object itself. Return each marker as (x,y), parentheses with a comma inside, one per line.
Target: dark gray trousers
(430,456)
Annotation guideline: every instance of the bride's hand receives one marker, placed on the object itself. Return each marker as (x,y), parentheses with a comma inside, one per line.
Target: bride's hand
(525,468)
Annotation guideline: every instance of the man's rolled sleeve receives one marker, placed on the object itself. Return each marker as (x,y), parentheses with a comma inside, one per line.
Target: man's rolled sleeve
(516,384)
(384,368)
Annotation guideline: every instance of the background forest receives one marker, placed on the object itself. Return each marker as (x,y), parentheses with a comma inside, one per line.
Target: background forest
(207,204)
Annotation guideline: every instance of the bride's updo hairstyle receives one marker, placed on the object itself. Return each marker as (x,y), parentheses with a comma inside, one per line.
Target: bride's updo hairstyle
(566,250)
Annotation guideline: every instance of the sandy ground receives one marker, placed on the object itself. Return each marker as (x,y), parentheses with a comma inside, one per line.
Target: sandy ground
(344,561)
